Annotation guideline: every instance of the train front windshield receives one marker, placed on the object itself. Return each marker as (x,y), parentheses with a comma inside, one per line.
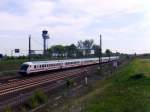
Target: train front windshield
(24,67)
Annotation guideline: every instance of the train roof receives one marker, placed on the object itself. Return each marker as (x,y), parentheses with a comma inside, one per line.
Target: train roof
(57,61)
(63,61)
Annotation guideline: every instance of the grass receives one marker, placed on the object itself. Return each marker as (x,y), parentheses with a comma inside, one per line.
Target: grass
(10,64)
(129,91)
(7,109)
(10,67)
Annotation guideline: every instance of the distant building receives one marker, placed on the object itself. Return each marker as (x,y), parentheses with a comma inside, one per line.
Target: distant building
(59,55)
(88,52)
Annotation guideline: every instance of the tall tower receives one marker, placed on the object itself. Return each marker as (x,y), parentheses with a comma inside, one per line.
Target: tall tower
(45,36)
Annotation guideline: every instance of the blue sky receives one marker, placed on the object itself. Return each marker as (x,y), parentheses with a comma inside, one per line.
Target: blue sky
(124,24)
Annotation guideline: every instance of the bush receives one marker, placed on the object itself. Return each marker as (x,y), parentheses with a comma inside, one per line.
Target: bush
(7,109)
(36,99)
(69,82)
(32,102)
(40,96)
(137,76)
(23,109)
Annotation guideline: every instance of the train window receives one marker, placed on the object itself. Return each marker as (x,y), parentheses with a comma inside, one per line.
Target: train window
(24,67)
(34,66)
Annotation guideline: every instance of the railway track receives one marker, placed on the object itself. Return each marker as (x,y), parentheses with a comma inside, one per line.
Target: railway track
(18,90)
(22,84)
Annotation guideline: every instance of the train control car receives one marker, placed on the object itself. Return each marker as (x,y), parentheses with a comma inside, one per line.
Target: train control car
(43,66)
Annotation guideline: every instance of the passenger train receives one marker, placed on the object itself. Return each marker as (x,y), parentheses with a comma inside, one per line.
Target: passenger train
(43,66)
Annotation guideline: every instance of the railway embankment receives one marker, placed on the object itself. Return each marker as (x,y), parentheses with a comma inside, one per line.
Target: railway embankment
(127,90)
(72,88)
(73,98)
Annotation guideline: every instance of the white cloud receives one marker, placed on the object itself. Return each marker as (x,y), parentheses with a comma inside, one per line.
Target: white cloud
(72,22)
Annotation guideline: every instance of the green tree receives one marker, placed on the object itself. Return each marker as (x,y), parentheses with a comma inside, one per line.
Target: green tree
(80,44)
(71,50)
(96,50)
(88,44)
(85,46)
(108,52)
(58,49)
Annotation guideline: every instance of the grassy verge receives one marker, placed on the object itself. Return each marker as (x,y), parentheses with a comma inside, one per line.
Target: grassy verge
(127,91)
(10,64)
(10,67)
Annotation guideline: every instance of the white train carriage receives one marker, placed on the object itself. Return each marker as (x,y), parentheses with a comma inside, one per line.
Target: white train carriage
(41,66)
(71,63)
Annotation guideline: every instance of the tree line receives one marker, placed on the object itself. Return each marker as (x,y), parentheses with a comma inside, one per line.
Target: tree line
(83,48)
(86,48)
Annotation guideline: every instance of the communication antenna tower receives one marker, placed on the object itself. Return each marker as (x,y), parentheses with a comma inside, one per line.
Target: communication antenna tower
(45,36)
